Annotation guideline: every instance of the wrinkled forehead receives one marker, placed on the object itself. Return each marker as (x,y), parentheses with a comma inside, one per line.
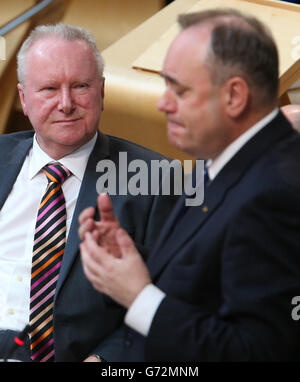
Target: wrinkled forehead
(54,57)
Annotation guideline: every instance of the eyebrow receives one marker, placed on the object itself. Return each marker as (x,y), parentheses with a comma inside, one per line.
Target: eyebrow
(174,82)
(169,78)
(88,79)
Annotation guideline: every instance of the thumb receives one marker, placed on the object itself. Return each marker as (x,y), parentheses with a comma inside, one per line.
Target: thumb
(125,242)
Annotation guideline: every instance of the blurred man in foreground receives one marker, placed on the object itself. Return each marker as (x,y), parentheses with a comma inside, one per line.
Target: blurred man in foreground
(219,282)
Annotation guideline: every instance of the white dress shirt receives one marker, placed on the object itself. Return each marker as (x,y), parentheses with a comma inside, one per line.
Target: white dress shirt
(142,311)
(17,226)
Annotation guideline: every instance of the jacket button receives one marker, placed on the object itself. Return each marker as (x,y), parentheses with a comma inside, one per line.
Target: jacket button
(127,343)
(128,340)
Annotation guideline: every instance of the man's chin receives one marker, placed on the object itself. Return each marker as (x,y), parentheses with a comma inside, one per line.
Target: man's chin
(175,132)
(175,141)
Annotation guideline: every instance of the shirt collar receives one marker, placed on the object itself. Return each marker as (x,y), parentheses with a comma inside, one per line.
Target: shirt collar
(75,162)
(215,166)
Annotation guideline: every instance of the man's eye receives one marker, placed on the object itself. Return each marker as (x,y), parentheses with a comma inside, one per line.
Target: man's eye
(179,92)
(81,86)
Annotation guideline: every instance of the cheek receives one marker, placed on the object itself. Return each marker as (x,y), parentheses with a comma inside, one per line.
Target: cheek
(190,108)
(40,114)
(91,105)
(39,109)
(202,112)
(194,119)
(198,125)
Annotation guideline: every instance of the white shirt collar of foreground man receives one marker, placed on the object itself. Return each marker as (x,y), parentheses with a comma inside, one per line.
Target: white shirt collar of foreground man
(215,166)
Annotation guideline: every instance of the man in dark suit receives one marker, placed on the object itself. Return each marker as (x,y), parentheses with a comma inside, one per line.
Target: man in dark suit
(61,87)
(219,282)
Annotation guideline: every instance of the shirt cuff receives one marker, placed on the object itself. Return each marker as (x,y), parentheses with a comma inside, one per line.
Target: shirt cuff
(142,311)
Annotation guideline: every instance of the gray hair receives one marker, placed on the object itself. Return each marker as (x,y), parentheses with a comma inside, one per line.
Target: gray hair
(62,31)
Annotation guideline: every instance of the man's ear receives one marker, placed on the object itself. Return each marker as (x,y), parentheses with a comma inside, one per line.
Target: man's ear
(236,96)
(22,99)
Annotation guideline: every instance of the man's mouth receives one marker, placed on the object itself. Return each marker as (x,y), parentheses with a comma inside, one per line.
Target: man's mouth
(66,121)
(172,123)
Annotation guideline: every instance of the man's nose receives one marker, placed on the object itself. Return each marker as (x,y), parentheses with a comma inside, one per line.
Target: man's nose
(167,103)
(66,102)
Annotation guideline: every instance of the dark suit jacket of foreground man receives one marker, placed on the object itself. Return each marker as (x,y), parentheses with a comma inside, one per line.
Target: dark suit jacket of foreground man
(230,267)
(82,316)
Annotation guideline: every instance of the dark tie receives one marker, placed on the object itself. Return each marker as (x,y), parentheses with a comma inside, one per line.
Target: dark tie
(182,211)
(48,250)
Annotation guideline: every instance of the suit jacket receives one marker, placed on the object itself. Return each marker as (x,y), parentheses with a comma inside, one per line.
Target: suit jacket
(230,267)
(82,316)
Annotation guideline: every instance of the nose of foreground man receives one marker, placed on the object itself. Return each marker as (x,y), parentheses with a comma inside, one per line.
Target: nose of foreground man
(167,103)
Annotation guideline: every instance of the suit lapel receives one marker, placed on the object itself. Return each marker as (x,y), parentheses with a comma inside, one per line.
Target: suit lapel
(176,236)
(87,197)
(169,224)
(10,167)
(175,214)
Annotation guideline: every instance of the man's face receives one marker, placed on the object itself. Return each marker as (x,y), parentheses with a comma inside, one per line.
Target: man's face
(191,103)
(62,95)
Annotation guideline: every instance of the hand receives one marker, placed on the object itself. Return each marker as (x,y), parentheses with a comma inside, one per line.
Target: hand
(92,358)
(120,278)
(104,231)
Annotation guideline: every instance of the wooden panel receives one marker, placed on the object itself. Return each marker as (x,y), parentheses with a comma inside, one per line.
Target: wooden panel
(109,20)
(8,11)
(13,40)
(282,18)
(131,95)
(294,95)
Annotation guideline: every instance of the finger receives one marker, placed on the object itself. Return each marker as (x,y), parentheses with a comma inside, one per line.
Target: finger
(86,226)
(88,259)
(86,213)
(125,242)
(88,263)
(96,235)
(91,266)
(106,208)
(97,253)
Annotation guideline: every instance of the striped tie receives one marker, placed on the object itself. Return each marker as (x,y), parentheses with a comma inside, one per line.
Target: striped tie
(48,250)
